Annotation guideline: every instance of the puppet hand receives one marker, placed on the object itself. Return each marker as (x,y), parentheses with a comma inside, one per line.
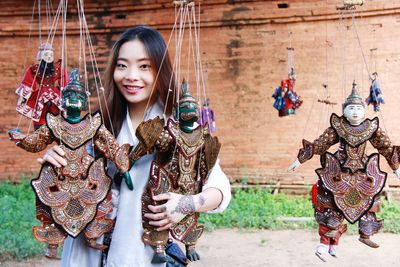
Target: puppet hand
(128,180)
(294,166)
(15,135)
(173,211)
(397,172)
(54,156)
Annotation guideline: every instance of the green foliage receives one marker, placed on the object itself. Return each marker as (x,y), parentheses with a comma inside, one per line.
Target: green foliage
(259,209)
(254,208)
(391,214)
(17,209)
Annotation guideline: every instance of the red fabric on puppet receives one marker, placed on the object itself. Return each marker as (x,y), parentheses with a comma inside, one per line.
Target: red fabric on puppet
(39,90)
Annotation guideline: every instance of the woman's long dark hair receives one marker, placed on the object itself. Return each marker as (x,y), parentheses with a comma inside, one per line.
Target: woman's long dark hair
(155,48)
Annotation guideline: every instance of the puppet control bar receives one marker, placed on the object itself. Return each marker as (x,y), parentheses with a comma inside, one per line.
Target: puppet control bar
(350,4)
(184,3)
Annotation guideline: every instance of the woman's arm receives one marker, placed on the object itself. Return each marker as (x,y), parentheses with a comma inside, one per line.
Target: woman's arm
(178,206)
(215,197)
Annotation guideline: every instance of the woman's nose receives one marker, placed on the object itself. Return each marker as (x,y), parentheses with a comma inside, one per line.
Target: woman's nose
(132,74)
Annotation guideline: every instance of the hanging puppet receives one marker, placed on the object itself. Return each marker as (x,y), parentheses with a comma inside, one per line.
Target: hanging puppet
(75,198)
(185,157)
(207,116)
(375,93)
(286,98)
(350,180)
(280,98)
(40,88)
(293,101)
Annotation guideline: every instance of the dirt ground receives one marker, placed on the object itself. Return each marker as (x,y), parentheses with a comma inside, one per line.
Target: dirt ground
(277,248)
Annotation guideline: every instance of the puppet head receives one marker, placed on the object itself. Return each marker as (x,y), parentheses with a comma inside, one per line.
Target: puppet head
(45,53)
(187,111)
(373,76)
(354,108)
(74,97)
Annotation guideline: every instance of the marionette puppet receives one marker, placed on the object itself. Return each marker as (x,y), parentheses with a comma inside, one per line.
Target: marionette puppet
(207,116)
(40,88)
(184,158)
(350,181)
(74,198)
(286,98)
(280,98)
(375,93)
(295,99)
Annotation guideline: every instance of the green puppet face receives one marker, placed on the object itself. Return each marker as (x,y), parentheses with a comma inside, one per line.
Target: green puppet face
(187,111)
(74,100)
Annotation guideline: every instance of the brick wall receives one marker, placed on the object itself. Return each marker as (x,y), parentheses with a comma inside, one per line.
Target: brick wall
(243,45)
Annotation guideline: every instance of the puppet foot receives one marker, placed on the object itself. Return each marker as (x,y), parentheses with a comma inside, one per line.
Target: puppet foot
(192,255)
(159,258)
(368,242)
(51,252)
(333,250)
(93,244)
(319,255)
(321,250)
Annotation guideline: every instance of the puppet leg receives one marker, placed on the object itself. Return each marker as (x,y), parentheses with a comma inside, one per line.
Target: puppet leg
(190,243)
(47,233)
(334,241)
(368,226)
(158,240)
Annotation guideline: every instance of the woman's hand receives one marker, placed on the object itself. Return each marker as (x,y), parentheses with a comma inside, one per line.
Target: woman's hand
(296,164)
(54,156)
(173,211)
(178,206)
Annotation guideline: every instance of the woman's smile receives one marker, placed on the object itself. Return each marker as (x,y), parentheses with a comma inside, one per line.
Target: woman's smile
(133,89)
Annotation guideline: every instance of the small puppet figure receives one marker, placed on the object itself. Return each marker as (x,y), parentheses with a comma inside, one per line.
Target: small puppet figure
(293,101)
(40,88)
(74,198)
(350,181)
(286,98)
(375,93)
(184,159)
(207,118)
(280,98)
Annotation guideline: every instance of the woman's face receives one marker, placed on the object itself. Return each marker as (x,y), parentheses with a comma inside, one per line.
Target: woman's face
(133,74)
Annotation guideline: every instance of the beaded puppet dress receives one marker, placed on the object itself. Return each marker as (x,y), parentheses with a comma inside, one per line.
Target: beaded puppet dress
(74,198)
(183,163)
(350,180)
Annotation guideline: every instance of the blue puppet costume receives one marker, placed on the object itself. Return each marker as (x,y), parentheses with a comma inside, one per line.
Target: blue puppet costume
(375,93)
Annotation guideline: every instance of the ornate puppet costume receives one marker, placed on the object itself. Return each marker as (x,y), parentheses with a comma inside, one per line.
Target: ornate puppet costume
(74,198)
(350,180)
(375,93)
(185,157)
(39,90)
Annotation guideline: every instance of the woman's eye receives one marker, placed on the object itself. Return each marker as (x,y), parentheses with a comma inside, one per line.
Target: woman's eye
(144,67)
(121,66)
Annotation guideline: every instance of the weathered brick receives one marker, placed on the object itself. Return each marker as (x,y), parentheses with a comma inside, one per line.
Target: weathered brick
(243,47)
